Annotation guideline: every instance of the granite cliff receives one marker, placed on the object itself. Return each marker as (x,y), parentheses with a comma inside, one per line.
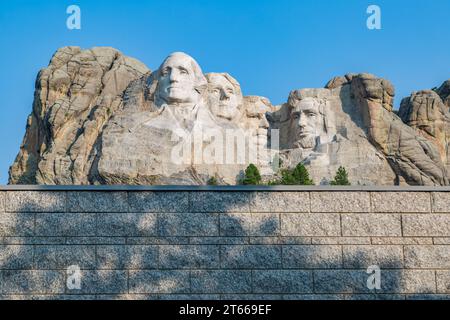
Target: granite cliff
(100,117)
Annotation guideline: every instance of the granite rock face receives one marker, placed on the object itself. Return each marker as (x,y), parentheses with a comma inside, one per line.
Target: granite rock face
(415,159)
(100,117)
(150,139)
(426,112)
(75,96)
(444,92)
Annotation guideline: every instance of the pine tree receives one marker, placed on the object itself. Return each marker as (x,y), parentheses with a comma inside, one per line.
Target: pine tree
(341,178)
(298,176)
(301,175)
(252,175)
(212,181)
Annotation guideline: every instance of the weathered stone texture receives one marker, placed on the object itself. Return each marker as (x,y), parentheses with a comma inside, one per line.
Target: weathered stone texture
(250,257)
(443,281)
(101,282)
(94,111)
(441,202)
(221,281)
(220,201)
(62,256)
(32,282)
(310,224)
(360,225)
(363,256)
(224,245)
(15,257)
(17,224)
(340,202)
(2,201)
(283,281)
(155,281)
(249,224)
(429,225)
(75,97)
(127,224)
(65,224)
(189,257)
(188,224)
(159,201)
(35,201)
(355,281)
(312,257)
(427,257)
(280,202)
(97,202)
(401,202)
(120,257)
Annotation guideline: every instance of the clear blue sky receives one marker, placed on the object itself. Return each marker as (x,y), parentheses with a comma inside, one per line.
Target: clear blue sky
(271,47)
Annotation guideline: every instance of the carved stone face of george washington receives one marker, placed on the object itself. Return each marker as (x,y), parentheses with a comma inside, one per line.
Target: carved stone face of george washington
(179,80)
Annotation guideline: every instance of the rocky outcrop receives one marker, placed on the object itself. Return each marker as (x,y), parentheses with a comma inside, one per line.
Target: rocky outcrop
(100,117)
(75,96)
(444,92)
(415,159)
(429,116)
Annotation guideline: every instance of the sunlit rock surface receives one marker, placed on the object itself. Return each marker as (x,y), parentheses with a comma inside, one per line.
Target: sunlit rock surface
(100,117)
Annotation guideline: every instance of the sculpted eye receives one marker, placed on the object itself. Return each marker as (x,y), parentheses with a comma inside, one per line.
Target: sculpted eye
(165,72)
(183,71)
(311,114)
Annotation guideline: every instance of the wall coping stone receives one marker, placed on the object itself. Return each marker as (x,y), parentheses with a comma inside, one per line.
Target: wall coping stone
(177,188)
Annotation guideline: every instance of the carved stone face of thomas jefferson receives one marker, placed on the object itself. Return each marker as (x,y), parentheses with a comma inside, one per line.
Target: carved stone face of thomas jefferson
(225,95)
(179,80)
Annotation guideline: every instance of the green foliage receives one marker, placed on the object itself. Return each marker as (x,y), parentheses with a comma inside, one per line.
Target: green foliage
(273,183)
(298,176)
(252,175)
(341,178)
(212,181)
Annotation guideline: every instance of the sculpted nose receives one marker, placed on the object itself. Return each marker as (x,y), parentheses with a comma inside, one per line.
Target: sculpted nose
(225,95)
(173,77)
(301,122)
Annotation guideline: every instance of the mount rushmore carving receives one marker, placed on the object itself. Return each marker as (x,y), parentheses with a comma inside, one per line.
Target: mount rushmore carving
(100,117)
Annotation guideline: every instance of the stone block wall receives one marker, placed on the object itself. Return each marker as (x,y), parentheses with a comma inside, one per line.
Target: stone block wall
(222,244)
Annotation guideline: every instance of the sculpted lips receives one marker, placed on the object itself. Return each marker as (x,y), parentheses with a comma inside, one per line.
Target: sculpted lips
(174,87)
(304,132)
